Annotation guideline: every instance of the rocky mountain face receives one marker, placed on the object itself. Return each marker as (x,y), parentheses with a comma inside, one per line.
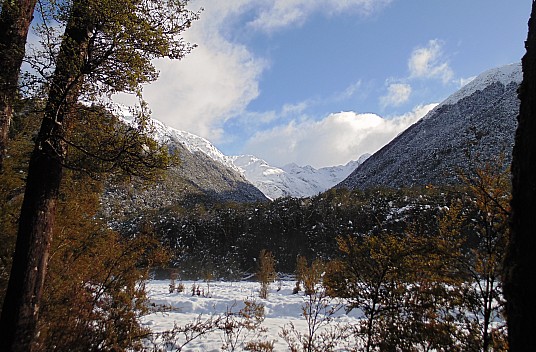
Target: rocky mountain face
(475,125)
(206,169)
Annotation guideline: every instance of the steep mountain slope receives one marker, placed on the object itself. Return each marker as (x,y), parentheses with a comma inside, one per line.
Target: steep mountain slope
(292,180)
(202,177)
(205,168)
(475,124)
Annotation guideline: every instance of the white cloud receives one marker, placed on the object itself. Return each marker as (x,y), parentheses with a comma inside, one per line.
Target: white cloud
(214,82)
(397,94)
(428,62)
(220,77)
(277,14)
(294,109)
(334,140)
(349,92)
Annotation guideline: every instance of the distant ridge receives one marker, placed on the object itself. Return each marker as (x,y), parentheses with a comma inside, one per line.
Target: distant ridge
(290,180)
(293,180)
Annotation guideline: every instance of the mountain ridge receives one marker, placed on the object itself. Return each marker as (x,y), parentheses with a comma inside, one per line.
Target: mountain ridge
(293,180)
(474,125)
(290,180)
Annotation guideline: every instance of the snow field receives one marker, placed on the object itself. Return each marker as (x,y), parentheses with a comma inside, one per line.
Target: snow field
(280,308)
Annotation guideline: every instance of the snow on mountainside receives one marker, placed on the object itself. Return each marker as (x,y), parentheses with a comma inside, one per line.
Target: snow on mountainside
(203,175)
(291,180)
(193,143)
(474,125)
(503,75)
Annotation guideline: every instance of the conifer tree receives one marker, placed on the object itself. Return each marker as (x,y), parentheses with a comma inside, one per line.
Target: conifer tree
(107,47)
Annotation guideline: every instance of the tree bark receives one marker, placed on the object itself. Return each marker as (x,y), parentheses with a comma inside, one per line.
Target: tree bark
(21,305)
(520,267)
(15,21)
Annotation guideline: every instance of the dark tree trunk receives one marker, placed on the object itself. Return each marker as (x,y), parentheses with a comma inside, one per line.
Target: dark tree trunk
(520,266)
(21,305)
(15,20)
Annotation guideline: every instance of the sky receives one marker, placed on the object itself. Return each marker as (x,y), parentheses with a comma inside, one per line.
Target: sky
(321,82)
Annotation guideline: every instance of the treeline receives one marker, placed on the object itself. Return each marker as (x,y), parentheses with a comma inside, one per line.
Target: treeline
(226,238)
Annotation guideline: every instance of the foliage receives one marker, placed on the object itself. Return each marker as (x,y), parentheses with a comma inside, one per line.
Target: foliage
(93,296)
(107,47)
(15,19)
(487,219)
(266,273)
(180,336)
(124,38)
(12,188)
(321,335)
(94,292)
(102,145)
(436,290)
(240,330)
(243,325)
(309,276)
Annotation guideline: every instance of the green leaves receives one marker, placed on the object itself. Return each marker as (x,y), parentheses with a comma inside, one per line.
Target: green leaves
(123,39)
(100,144)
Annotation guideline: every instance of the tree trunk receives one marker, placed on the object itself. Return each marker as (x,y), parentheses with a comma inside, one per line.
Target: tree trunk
(21,305)
(520,267)
(15,20)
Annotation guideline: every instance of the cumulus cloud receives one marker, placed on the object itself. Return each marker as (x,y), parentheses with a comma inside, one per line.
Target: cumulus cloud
(213,83)
(220,77)
(334,140)
(397,94)
(277,14)
(428,62)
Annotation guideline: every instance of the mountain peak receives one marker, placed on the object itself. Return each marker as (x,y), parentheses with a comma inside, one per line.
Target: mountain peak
(291,180)
(476,122)
(504,75)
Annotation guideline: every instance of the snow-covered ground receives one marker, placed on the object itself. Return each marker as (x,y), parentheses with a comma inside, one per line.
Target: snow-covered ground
(280,308)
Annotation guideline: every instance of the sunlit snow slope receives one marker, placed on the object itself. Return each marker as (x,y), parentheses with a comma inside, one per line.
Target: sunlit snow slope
(290,180)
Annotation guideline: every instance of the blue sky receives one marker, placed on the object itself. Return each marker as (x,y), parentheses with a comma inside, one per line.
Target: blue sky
(321,82)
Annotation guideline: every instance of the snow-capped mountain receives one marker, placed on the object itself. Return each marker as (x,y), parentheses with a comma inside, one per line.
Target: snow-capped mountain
(474,125)
(292,180)
(204,175)
(479,119)
(289,181)
(193,143)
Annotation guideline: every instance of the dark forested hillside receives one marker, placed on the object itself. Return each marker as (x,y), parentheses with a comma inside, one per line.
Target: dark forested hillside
(225,239)
(197,179)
